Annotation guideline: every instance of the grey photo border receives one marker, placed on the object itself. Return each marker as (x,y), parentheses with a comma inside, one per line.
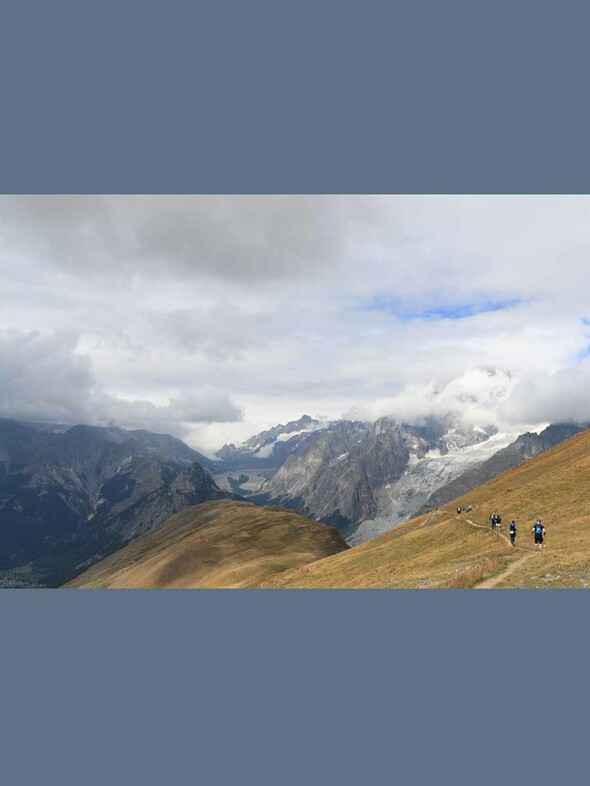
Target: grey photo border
(293,687)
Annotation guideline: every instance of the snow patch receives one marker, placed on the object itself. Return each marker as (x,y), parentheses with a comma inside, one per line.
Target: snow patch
(287,436)
(265,451)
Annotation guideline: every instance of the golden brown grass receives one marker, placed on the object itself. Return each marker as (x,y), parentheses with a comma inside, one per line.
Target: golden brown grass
(408,556)
(217,544)
(471,576)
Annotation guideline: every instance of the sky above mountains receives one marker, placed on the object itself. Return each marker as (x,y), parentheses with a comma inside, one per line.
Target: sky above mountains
(212,317)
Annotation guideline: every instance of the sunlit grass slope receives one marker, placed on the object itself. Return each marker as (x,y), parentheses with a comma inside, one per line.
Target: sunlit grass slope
(223,543)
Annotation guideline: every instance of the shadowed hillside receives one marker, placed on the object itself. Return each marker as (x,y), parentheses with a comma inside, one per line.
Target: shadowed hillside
(442,549)
(69,495)
(216,544)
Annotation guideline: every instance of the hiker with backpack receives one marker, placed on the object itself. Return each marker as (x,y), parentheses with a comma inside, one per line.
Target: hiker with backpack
(538,531)
(512,532)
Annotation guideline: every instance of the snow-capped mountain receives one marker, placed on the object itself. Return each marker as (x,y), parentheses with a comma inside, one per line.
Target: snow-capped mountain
(269,448)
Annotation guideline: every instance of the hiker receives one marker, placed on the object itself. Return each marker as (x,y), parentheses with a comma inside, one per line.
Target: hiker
(493,520)
(512,531)
(498,521)
(458,510)
(538,531)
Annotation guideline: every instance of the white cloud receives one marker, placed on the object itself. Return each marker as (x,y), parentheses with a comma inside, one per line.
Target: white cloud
(476,396)
(287,305)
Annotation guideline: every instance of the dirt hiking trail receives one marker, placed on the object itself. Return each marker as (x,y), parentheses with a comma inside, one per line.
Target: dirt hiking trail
(493,582)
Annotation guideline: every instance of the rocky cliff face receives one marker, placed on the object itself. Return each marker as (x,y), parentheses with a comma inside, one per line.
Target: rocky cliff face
(190,487)
(67,495)
(354,472)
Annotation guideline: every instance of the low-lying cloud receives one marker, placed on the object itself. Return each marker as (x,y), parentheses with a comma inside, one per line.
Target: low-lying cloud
(554,398)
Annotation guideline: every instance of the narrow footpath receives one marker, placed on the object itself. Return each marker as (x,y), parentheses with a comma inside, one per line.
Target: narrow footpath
(493,582)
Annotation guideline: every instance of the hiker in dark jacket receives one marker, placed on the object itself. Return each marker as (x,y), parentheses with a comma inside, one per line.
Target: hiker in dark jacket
(512,532)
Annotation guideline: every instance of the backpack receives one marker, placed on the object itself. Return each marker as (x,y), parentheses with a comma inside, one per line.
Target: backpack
(538,529)
(512,527)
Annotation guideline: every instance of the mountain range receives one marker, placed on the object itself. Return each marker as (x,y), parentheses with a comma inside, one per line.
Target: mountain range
(70,495)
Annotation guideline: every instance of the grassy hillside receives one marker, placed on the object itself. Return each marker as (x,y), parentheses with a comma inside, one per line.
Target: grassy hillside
(216,544)
(444,550)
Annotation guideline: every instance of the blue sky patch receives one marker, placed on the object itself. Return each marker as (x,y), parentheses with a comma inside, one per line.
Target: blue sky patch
(456,311)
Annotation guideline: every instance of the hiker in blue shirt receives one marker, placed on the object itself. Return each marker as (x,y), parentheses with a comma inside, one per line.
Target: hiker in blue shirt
(539,535)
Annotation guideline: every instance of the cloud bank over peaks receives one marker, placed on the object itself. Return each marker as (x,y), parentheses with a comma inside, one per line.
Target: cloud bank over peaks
(475,397)
(44,379)
(558,397)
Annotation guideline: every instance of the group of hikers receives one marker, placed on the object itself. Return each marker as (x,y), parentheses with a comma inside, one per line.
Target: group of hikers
(467,509)
(538,530)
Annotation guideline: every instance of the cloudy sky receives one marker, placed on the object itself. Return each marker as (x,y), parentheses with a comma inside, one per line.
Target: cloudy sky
(212,317)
